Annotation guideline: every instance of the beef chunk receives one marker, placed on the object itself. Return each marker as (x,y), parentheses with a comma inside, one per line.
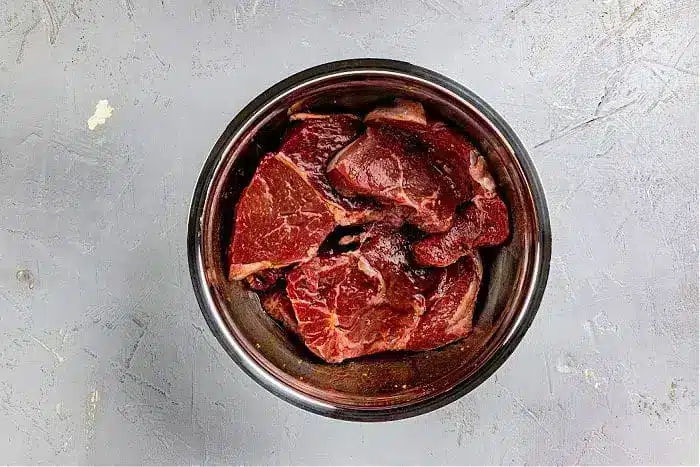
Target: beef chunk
(483,223)
(387,250)
(448,149)
(339,305)
(404,114)
(450,306)
(453,154)
(394,169)
(360,302)
(280,219)
(310,142)
(277,305)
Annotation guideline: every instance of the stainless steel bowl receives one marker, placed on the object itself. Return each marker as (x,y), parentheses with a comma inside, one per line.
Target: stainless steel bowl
(393,385)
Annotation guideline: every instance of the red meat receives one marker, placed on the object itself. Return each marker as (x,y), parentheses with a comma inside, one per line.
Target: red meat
(280,219)
(310,142)
(483,223)
(394,169)
(277,304)
(450,306)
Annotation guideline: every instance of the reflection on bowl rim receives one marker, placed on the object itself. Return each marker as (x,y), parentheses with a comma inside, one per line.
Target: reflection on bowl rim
(542,243)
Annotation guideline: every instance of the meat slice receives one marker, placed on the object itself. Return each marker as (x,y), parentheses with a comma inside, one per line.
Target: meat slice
(394,169)
(311,140)
(278,306)
(339,305)
(450,306)
(280,219)
(387,251)
(482,223)
(404,114)
(448,149)
(455,155)
(360,302)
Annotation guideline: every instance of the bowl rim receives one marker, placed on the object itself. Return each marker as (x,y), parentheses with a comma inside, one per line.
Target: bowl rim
(542,245)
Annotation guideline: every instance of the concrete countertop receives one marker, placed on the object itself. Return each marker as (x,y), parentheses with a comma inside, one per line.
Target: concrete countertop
(104,355)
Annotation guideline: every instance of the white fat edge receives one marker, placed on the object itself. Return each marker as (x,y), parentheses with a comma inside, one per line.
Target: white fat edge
(300,116)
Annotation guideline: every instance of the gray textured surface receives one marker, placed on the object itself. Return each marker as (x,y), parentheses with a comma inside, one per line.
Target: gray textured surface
(104,356)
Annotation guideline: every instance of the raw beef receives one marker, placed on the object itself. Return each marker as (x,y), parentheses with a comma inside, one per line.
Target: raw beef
(338,303)
(387,250)
(454,155)
(361,302)
(332,231)
(277,304)
(404,114)
(280,219)
(310,142)
(450,306)
(394,169)
(448,149)
(482,223)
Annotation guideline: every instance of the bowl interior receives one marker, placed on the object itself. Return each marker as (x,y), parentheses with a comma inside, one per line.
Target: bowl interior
(385,380)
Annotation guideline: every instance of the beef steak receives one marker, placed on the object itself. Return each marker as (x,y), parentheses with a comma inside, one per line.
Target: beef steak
(338,303)
(394,169)
(360,302)
(454,155)
(309,142)
(450,306)
(280,219)
(482,223)
(403,113)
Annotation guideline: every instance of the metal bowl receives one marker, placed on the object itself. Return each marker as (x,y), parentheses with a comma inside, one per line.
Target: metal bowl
(393,385)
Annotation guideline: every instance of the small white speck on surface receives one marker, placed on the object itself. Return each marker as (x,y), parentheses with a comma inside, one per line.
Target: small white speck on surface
(565,364)
(594,379)
(103,111)
(92,405)
(25,276)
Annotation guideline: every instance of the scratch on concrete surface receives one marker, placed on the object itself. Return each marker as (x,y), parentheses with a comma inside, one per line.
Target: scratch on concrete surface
(525,408)
(74,8)
(133,349)
(23,42)
(53,23)
(148,385)
(549,375)
(440,6)
(92,406)
(584,124)
(520,8)
(58,357)
(621,27)
(129,4)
